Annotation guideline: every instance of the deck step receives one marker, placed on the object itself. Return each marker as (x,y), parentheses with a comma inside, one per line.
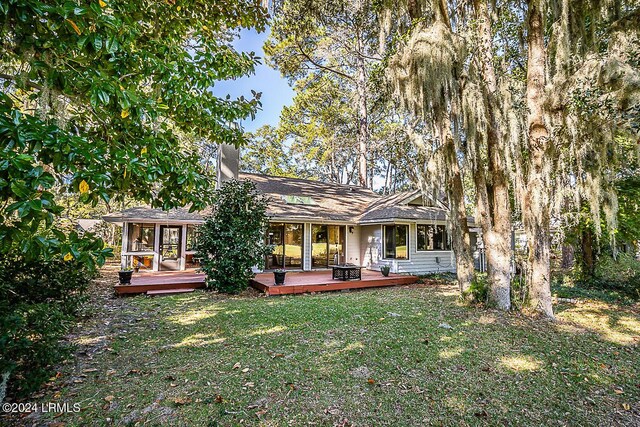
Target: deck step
(170,291)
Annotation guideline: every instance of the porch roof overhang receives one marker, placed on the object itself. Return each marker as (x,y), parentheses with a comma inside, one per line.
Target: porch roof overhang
(152,215)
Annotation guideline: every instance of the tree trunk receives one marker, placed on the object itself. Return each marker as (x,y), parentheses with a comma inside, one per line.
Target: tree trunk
(363,125)
(460,229)
(536,200)
(588,259)
(493,197)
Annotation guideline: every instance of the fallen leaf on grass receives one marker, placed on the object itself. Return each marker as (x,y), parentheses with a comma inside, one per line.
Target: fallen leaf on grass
(371,381)
(219,399)
(245,370)
(618,390)
(109,398)
(626,406)
(181,400)
(236,366)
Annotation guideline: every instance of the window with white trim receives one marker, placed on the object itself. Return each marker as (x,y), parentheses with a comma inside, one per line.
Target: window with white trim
(396,241)
(432,237)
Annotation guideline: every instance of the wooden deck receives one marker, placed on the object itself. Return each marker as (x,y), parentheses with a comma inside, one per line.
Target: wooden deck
(321,281)
(295,282)
(162,281)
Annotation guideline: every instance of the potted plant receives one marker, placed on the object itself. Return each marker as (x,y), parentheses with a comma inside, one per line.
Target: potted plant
(384,269)
(278,276)
(124,276)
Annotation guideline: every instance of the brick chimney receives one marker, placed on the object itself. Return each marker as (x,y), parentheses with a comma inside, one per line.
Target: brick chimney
(228,163)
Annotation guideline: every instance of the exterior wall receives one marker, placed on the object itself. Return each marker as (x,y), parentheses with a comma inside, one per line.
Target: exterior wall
(352,255)
(419,262)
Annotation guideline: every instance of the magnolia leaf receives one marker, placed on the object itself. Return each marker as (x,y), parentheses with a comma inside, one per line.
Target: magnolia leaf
(74,26)
(83,187)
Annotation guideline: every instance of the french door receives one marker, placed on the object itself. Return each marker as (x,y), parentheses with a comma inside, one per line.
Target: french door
(170,247)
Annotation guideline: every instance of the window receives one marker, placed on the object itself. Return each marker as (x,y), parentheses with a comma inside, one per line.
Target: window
(433,238)
(396,238)
(141,237)
(192,237)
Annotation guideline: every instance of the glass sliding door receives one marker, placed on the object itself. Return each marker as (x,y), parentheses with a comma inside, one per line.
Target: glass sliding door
(319,246)
(336,244)
(287,242)
(327,245)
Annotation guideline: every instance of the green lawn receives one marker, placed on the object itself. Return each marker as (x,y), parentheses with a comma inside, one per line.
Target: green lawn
(368,358)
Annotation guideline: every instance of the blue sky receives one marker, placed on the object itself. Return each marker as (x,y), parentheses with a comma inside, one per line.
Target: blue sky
(276,92)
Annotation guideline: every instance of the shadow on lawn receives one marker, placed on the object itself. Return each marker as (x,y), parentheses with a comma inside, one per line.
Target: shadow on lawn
(380,357)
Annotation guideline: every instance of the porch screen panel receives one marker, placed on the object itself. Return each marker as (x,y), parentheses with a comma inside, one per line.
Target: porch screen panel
(192,236)
(293,245)
(141,237)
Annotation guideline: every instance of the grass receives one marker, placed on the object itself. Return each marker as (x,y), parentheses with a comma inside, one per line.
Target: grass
(375,357)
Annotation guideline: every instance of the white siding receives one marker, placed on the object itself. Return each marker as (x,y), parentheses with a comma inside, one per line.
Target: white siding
(353,255)
(419,262)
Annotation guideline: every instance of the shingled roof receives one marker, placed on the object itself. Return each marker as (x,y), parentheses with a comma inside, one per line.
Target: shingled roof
(146,213)
(324,201)
(308,200)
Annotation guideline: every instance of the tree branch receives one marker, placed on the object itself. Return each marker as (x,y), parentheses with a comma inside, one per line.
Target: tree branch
(320,66)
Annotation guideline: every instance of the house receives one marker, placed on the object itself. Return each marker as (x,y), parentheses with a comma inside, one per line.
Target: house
(313,225)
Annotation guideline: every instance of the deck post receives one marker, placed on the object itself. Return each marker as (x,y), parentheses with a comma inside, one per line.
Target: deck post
(125,245)
(156,247)
(183,248)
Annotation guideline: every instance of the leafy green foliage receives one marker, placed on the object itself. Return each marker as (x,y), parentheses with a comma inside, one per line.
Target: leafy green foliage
(267,154)
(621,275)
(231,240)
(104,102)
(479,289)
(108,100)
(37,302)
(628,190)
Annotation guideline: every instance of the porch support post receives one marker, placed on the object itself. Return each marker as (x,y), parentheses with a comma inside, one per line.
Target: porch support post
(125,244)
(307,247)
(183,248)
(156,247)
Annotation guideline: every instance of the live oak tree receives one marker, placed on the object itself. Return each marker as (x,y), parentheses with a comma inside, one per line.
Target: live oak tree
(581,96)
(106,100)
